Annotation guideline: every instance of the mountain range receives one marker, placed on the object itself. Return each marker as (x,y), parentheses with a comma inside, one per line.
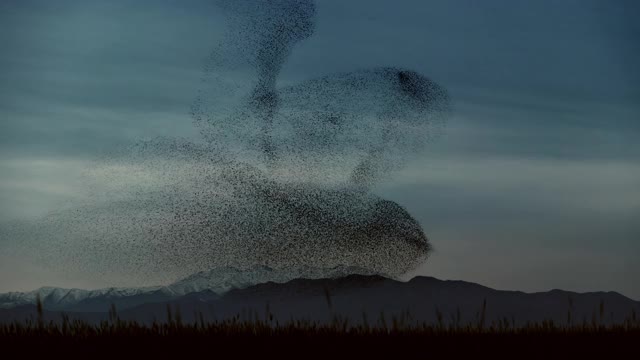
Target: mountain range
(323,296)
(217,281)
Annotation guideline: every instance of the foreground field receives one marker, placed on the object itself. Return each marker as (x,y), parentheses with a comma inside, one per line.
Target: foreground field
(307,339)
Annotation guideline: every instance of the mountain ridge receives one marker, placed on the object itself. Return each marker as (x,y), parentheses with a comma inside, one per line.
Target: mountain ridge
(219,280)
(351,296)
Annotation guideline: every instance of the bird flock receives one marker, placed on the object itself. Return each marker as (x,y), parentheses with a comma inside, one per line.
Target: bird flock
(282,176)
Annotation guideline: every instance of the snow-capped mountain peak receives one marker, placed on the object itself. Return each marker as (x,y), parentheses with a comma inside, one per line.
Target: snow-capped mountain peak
(218,280)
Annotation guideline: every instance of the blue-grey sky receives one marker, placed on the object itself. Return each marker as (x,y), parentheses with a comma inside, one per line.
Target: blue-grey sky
(535,185)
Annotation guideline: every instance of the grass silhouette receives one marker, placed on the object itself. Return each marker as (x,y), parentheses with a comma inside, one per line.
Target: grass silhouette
(339,325)
(445,336)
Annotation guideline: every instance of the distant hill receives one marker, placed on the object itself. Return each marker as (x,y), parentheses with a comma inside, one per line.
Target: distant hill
(218,281)
(371,298)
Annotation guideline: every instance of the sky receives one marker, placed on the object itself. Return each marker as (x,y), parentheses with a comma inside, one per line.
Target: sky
(535,184)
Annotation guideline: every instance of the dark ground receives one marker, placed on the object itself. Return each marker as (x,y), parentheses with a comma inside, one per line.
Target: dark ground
(175,340)
(605,346)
